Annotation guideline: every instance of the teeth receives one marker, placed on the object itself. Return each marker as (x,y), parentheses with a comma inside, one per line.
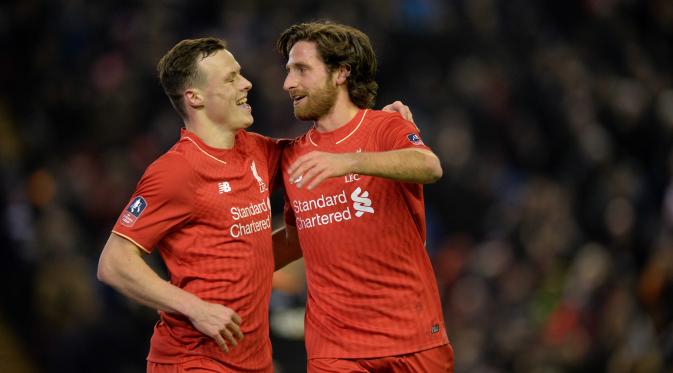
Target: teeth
(242,101)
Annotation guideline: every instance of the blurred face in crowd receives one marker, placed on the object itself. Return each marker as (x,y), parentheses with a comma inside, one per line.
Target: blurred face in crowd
(223,91)
(309,83)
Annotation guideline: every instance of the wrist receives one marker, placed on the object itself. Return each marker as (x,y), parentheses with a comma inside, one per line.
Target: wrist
(189,305)
(354,162)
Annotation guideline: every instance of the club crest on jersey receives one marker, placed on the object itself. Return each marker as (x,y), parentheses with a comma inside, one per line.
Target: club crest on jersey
(414,139)
(133,211)
(260,181)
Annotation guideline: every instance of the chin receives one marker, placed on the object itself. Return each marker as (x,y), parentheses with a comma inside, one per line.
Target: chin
(304,115)
(247,123)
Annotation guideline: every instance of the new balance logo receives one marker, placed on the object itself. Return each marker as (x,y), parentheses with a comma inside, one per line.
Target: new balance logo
(223,187)
(361,203)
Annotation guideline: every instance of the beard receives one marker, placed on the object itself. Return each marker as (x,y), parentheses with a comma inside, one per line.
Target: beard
(318,103)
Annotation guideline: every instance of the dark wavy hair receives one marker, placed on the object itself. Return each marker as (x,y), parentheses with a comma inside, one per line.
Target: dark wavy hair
(178,68)
(339,45)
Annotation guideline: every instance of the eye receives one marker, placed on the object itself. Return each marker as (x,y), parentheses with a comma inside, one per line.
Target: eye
(230,78)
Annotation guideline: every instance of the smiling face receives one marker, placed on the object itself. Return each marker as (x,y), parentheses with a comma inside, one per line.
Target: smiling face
(224,91)
(309,83)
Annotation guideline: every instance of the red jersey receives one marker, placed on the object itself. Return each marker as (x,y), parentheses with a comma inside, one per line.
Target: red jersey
(371,288)
(207,210)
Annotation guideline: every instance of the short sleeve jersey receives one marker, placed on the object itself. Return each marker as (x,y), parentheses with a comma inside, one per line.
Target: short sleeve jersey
(207,211)
(371,288)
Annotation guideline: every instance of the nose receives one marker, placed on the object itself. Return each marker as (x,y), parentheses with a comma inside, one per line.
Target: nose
(246,84)
(290,82)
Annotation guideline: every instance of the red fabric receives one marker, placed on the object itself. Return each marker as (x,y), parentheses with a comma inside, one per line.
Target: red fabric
(201,365)
(371,288)
(435,360)
(207,211)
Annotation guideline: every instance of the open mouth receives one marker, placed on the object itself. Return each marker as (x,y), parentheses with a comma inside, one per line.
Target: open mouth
(296,100)
(243,103)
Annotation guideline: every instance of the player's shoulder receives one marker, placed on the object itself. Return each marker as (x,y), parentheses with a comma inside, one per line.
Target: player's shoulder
(249,137)
(384,117)
(172,161)
(252,136)
(296,142)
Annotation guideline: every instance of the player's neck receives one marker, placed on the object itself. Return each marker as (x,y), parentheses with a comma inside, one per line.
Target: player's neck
(343,111)
(213,135)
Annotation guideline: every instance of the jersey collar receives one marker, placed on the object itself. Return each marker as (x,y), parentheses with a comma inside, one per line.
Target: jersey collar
(215,153)
(340,134)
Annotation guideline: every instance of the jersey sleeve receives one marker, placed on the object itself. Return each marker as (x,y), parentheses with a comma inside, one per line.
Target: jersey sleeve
(162,201)
(397,133)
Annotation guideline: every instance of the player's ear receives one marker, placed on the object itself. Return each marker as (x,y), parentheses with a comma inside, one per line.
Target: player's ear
(342,74)
(193,97)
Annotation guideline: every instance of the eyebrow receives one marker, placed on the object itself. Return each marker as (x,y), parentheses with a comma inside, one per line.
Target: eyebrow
(296,64)
(232,74)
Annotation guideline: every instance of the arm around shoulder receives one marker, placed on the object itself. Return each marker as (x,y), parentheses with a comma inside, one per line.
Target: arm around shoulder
(286,247)
(407,165)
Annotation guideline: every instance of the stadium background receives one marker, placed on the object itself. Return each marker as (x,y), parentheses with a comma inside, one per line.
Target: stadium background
(551,231)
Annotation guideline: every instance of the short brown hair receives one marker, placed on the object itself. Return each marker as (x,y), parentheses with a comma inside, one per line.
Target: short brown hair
(178,67)
(339,45)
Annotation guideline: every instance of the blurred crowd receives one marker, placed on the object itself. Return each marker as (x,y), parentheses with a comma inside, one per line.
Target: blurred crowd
(551,231)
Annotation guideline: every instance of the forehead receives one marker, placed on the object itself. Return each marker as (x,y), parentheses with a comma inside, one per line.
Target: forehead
(305,52)
(221,61)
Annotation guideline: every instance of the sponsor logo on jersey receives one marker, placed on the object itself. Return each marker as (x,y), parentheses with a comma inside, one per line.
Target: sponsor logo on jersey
(247,221)
(260,181)
(361,204)
(414,139)
(133,211)
(435,329)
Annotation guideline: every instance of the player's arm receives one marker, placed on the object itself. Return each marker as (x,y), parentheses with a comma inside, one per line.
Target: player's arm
(407,165)
(286,247)
(121,266)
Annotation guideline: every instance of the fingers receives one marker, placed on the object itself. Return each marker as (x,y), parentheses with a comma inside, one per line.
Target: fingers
(231,334)
(395,106)
(401,108)
(298,169)
(319,179)
(235,318)
(408,116)
(318,164)
(406,113)
(235,331)
(228,337)
(308,175)
(298,163)
(220,342)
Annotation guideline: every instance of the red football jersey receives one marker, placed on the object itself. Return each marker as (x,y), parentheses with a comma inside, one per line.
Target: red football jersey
(207,210)
(371,288)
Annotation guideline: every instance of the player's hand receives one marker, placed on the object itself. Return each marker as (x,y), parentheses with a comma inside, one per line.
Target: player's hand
(219,323)
(401,108)
(313,168)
